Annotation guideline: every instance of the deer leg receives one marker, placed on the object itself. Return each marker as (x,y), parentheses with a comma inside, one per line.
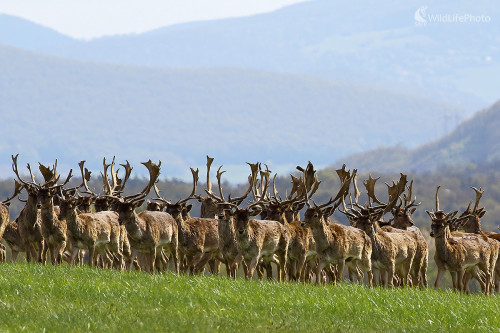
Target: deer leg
(13,255)
(438,277)
(251,265)
(196,259)
(27,248)
(203,261)
(44,254)
(391,274)
(454,281)
(423,274)
(319,269)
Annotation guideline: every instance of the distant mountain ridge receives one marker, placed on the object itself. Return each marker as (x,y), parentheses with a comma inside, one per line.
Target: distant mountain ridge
(357,41)
(72,110)
(475,141)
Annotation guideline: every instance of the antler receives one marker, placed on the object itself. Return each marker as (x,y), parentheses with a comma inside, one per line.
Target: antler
(370,188)
(85,178)
(154,173)
(209,163)
(479,194)
(437,199)
(195,183)
(16,172)
(121,182)
(18,187)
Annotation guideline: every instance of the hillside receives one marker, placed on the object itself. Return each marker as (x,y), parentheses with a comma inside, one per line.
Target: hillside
(54,108)
(475,141)
(355,41)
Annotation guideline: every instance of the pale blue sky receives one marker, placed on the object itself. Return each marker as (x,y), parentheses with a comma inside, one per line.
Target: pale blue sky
(94,18)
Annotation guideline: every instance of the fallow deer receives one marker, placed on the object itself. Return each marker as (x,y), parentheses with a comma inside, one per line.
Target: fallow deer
(391,252)
(338,244)
(458,254)
(13,239)
(402,222)
(148,232)
(30,219)
(259,239)
(472,225)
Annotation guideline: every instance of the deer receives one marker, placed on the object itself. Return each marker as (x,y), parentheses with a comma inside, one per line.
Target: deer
(471,224)
(199,238)
(470,253)
(228,245)
(30,219)
(5,217)
(148,232)
(13,239)
(106,202)
(53,229)
(302,245)
(335,243)
(402,222)
(391,252)
(258,239)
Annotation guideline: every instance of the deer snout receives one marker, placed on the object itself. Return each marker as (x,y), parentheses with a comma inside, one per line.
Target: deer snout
(241,231)
(432,234)
(302,224)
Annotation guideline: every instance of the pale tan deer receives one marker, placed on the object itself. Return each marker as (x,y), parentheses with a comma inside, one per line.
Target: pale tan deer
(302,246)
(13,239)
(259,239)
(198,237)
(459,254)
(471,224)
(391,252)
(335,243)
(148,232)
(228,245)
(404,223)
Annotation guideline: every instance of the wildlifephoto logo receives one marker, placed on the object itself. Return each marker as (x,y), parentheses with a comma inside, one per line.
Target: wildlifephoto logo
(423,18)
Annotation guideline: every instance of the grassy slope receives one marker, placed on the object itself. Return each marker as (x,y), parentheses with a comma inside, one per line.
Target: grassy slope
(80,299)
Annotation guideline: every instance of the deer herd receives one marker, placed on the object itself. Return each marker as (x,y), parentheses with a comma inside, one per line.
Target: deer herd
(77,225)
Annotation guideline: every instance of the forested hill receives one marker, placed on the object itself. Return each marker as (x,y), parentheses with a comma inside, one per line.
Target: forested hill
(475,141)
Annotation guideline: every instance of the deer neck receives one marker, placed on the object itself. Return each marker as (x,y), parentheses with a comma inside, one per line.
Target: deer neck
(443,246)
(48,215)
(4,218)
(321,234)
(133,223)
(71,220)
(473,226)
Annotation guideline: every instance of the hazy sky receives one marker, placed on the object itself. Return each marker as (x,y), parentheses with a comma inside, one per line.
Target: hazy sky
(94,18)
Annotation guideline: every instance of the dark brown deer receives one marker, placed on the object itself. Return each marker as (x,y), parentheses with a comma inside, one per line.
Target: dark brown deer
(30,219)
(148,232)
(53,229)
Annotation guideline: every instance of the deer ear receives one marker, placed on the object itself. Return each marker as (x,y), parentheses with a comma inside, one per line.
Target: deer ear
(188,208)
(412,210)
(138,203)
(300,206)
(482,213)
(7,204)
(255,211)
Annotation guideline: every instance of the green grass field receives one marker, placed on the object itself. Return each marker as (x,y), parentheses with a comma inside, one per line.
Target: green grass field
(36,298)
